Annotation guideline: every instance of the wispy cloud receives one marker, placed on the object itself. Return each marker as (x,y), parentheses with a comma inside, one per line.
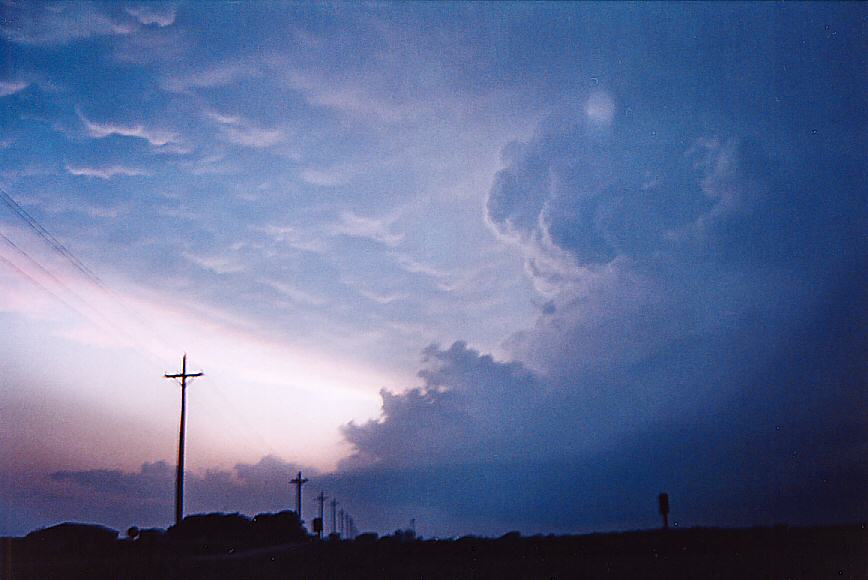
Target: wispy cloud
(381,298)
(376,229)
(324,178)
(56,23)
(153,14)
(215,76)
(157,137)
(293,237)
(414,266)
(295,293)
(346,98)
(219,264)
(11,87)
(240,131)
(106,172)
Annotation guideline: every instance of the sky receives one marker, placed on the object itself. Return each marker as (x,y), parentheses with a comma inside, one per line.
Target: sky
(489,267)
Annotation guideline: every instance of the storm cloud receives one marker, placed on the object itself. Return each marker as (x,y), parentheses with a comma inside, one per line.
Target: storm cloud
(688,203)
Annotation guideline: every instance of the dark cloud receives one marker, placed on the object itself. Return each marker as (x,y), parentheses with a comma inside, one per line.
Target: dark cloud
(702,333)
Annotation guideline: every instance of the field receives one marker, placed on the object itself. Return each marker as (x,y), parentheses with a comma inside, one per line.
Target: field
(779,552)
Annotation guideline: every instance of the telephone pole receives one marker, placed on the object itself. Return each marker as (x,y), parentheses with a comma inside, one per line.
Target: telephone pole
(321,500)
(334,516)
(179,476)
(298,482)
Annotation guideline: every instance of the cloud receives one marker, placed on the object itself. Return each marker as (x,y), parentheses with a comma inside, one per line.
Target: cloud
(39,23)
(219,264)
(153,14)
(374,229)
(159,138)
(106,172)
(381,298)
(600,108)
(464,398)
(690,341)
(240,131)
(323,178)
(145,497)
(293,237)
(11,87)
(294,293)
(218,75)
(414,266)
(349,98)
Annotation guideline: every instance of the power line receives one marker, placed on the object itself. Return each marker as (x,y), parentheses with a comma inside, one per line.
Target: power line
(67,254)
(44,289)
(146,352)
(61,249)
(48,237)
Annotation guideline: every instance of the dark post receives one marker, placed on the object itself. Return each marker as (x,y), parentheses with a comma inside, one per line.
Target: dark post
(334,516)
(179,476)
(321,500)
(298,482)
(663,503)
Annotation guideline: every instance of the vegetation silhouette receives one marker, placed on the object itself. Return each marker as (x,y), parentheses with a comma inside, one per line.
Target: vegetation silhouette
(223,546)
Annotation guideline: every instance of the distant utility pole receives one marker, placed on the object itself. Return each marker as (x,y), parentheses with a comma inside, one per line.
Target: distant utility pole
(298,482)
(179,476)
(341,520)
(334,515)
(663,504)
(321,500)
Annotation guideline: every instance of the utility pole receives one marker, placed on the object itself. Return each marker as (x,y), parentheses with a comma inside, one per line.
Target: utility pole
(321,500)
(179,476)
(298,482)
(334,516)
(663,504)
(341,520)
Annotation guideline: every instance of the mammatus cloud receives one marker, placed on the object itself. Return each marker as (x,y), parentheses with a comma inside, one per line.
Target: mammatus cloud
(106,172)
(11,87)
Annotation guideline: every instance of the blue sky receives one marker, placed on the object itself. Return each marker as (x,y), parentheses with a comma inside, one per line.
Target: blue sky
(415,242)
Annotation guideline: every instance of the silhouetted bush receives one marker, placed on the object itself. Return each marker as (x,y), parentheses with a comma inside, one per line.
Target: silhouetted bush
(72,537)
(280,528)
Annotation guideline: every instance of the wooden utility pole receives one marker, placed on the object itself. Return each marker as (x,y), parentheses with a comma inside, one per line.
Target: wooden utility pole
(334,516)
(321,500)
(298,482)
(663,504)
(179,476)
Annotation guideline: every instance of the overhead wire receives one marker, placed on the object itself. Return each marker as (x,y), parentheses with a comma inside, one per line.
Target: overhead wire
(66,253)
(146,352)
(61,249)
